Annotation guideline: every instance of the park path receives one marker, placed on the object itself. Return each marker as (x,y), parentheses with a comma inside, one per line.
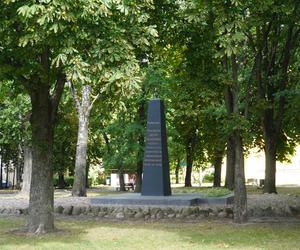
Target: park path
(64,198)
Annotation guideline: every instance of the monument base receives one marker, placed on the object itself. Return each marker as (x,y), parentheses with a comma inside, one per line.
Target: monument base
(174,200)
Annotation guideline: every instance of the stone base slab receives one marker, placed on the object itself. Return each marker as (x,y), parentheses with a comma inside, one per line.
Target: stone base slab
(173,200)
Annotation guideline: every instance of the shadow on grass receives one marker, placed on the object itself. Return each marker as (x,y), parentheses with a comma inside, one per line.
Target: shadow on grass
(91,234)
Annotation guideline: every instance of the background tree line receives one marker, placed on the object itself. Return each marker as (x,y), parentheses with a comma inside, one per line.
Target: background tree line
(76,77)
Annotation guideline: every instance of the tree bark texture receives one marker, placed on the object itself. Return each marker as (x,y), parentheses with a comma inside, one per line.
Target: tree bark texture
(189,166)
(40,219)
(79,185)
(44,112)
(240,194)
(83,109)
(230,160)
(121,181)
(270,164)
(230,152)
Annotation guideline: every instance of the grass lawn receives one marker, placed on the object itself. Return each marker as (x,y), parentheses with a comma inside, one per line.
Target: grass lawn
(208,192)
(83,234)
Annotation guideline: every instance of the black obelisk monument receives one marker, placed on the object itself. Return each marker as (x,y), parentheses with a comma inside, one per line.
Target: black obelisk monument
(156,177)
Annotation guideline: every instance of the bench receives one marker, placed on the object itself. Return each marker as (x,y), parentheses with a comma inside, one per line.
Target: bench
(128,186)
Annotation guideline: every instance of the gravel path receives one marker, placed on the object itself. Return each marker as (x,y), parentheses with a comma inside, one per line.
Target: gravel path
(15,200)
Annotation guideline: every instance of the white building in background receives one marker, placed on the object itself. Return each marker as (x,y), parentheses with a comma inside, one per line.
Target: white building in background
(286,173)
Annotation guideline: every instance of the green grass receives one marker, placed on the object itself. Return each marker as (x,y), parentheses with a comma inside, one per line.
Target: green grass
(152,235)
(60,193)
(208,192)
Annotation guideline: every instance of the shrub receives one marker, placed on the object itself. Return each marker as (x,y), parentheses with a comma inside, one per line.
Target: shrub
(69,181)
(208,177)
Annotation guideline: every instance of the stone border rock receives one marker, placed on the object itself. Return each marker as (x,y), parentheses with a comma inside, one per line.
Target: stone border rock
(146,212)
(158,213)
(259,206)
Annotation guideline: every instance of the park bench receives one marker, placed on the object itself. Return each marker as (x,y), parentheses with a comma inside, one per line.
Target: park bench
(128,186)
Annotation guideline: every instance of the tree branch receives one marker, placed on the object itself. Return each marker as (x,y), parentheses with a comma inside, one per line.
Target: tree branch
(92,103)
(107,143)
(251,40)
(75,96)
(55,98)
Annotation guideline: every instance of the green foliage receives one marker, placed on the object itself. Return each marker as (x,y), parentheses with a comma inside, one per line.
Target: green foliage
(190,46)
(208,178)
(65,137)
(122,140)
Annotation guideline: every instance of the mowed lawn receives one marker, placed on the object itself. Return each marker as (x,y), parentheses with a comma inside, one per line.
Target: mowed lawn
(87,234)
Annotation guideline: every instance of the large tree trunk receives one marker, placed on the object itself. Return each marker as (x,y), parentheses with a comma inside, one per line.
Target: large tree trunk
(270,169)
(230,160)
(121,180)
(240,194)
(61,180)
(26,171)
(270,161)
(40,219)
(268,73)
(230,152)
(189,166)
(83,109)
(217,163)
(79,185)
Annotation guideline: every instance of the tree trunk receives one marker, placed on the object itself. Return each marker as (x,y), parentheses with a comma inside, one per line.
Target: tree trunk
(83,109)
(138,179)
(27,170)
(141,141)
(189,166)
(79,186)
(14,177)
(41,200)
(270,164)
(121,181)
(7,173)
(61,180)
(230,161)
(217,163)
(230,152)
(19,167)
(267,73)
(1,172)
(177,171)
(240,194)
